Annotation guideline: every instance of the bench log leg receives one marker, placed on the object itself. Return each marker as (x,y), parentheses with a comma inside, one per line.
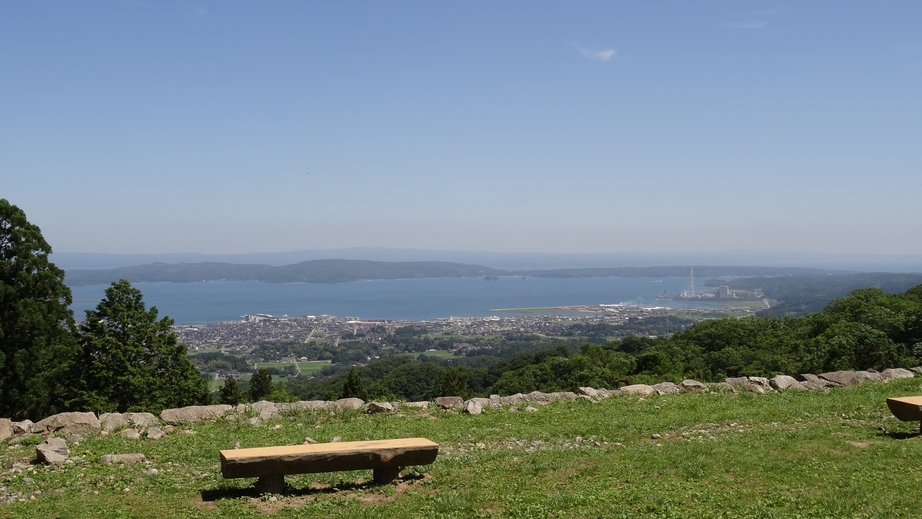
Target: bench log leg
(385,475)
(274,484)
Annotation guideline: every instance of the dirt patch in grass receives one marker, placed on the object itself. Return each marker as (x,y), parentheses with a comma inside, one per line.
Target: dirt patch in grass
(201,504)
(363,491)
(860,445)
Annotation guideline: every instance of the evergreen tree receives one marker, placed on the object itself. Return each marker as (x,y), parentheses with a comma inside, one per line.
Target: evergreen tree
(230,392)
(36,325)
(260,385)
(130,361)
(354,388)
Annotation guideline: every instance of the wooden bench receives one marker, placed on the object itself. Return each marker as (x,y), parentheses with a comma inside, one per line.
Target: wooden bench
(270,464)
(907,409)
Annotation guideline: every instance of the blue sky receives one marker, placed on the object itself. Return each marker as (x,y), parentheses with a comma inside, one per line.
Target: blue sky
(234,127)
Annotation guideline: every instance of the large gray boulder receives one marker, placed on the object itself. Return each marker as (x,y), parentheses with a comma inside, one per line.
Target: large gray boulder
(754,388)
(379,407)
(194,413)
(811,381)
(515,399)
(665,388)
(588,391)
(895,373)
(608,393)
(350,403)
(307,405)
(52,450)
(422,405)
(785,382)
(449,402)
(111,422)
(760,381)
(23,427)
(737,381)
(472,406)
(840,378)
(864,376)
(638,389)
(6,428)
(692,386)
(69,423)
(262,409)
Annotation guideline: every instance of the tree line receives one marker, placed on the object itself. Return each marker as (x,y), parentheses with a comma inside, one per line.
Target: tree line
(120,358)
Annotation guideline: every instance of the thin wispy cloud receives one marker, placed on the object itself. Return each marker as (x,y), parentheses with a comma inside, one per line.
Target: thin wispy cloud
(753,25)
(594,55)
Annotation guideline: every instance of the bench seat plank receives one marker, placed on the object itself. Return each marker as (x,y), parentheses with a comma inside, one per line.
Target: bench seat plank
(906,408)
(327,457)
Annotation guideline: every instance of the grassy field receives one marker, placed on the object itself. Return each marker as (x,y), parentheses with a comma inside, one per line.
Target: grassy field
(439,354)
(304,368)
(793,454)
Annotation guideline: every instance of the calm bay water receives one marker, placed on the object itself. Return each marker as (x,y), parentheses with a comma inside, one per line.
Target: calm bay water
(409,299)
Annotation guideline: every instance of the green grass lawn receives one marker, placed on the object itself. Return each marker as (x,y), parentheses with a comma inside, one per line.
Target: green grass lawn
(305,368)
(439,354)
(793,454)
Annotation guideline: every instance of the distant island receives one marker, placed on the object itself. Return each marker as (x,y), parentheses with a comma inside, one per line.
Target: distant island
(345,271)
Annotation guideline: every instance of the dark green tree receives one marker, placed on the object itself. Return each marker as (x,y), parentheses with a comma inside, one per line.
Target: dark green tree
(354,388)
(36,325)
(260,385)
(130,361)
(230,392)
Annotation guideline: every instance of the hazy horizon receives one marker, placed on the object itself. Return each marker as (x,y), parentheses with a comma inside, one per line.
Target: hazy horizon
(622,128)
(519,260)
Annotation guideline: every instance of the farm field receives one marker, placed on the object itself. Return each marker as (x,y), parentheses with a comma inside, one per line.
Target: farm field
(791,454)
(304,368)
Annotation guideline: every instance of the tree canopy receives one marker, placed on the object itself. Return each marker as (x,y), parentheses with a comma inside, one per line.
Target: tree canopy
(131,361)
(36,325)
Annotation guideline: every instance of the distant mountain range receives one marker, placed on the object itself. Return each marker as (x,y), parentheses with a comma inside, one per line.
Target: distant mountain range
(515,260)
(344,271)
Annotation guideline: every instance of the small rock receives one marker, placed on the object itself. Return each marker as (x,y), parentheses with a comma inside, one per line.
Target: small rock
(236,445)
(309,441)
(336,439)
(155,433)
(531,409)
(151,472)
(52,450)
(107,459)
(656,436)
(132,434)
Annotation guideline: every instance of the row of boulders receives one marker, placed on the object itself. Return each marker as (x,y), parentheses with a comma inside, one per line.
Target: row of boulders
(138,425)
